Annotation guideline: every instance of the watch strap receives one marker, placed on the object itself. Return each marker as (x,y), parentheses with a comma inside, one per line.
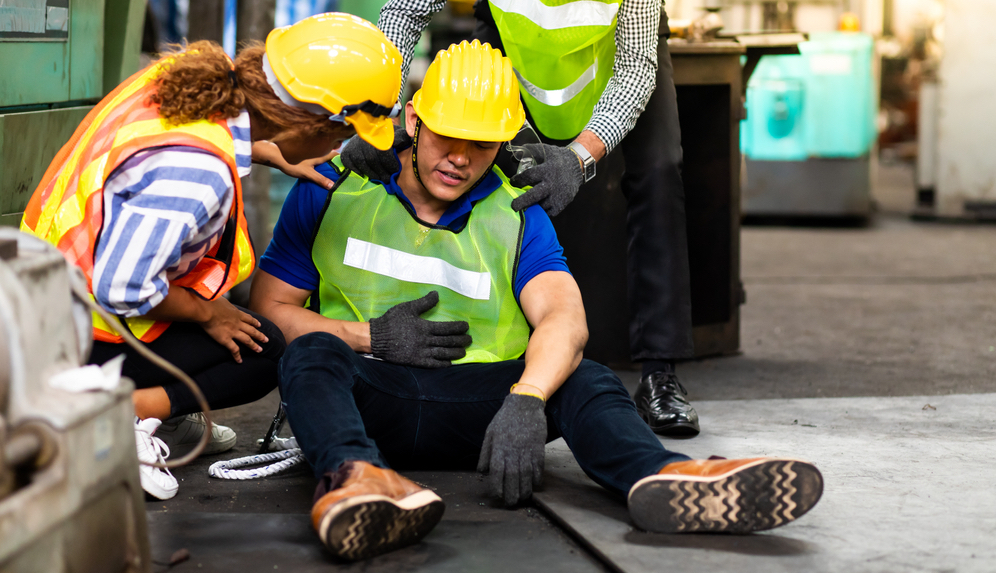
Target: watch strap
(587,161)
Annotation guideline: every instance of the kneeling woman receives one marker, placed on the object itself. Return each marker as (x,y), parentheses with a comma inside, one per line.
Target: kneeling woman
(146,200)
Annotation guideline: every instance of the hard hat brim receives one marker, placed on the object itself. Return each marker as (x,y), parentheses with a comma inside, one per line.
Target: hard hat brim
(500,131)
(377,131)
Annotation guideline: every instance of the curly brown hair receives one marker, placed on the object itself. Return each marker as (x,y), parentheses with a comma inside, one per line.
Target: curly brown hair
(195,84)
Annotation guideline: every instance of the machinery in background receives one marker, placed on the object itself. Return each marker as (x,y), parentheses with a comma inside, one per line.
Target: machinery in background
(810,130)
(59,58)
(70,496)
(956,169)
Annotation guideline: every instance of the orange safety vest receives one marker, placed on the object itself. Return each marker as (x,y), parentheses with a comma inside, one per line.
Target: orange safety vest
(67,207)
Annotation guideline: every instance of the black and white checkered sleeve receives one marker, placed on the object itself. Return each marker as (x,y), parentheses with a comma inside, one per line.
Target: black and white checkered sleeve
(402,21)
(634,75)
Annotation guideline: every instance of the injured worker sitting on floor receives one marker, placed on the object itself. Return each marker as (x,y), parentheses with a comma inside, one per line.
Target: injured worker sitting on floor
(407,305)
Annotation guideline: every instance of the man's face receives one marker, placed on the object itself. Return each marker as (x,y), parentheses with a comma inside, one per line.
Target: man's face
(447,166)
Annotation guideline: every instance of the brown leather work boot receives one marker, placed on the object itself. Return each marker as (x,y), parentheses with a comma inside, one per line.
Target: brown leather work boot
(719,495)
(374,511)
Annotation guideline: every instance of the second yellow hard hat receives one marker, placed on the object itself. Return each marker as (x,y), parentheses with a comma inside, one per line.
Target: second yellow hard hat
(470,92)
(343,64)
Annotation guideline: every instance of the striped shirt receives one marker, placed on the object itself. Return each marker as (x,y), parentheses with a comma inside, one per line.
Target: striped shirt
(634,74)
(164,208)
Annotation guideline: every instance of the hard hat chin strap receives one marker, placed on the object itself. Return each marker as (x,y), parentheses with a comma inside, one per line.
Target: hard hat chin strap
(418,128)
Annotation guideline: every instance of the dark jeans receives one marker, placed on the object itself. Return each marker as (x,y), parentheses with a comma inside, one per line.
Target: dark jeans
(658,279)
(345,407)
(224,382)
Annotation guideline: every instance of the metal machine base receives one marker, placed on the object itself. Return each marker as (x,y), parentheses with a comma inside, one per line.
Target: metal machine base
(810,188)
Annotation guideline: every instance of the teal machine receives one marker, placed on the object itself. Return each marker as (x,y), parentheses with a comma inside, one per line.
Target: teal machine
(810,130)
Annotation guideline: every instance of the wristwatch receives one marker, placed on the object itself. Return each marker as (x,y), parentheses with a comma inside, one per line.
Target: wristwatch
(587,161)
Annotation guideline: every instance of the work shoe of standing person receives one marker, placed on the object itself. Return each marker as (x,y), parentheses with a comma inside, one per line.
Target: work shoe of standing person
(660,400)
(727,496)
(157,482)
(373,511)
(181,434)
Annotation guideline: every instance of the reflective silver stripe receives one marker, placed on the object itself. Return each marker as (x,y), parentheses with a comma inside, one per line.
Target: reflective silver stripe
(561,96)
(580,13)
(416,269)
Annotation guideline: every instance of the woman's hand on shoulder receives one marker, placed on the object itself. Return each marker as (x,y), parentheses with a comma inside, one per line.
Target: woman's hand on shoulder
(267,153)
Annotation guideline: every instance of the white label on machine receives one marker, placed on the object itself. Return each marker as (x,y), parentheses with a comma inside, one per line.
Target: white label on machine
(830,64)
(57,19)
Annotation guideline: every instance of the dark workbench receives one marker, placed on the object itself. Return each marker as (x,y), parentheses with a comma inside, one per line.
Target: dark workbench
(709,84)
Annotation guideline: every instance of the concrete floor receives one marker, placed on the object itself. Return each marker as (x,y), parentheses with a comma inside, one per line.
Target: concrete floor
(836,319)
(908,487)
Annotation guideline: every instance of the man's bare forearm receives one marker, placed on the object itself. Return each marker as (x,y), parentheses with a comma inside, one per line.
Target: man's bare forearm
(284,306)
(553,305)
(591,142)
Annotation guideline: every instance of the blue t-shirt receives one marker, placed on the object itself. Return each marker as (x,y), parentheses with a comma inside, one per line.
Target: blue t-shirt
(289,255)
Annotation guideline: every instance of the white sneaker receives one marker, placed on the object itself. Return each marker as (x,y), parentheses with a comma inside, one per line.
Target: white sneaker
(157,482)
(181,434)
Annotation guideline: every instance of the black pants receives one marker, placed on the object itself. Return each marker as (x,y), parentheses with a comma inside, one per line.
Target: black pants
(224,382)
(658,284)
(343,406)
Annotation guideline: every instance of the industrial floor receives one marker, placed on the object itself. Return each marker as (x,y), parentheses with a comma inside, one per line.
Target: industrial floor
(869,351)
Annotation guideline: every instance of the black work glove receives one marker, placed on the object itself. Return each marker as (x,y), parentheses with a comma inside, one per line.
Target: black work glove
(555,181)
(367,160)
(403,337)
(514,448)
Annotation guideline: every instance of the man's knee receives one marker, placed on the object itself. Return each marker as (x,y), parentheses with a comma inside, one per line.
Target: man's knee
(591,379)
(319,349)
(276,345)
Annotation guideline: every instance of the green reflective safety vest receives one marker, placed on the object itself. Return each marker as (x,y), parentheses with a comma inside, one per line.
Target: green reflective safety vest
(372,254)
(562,52)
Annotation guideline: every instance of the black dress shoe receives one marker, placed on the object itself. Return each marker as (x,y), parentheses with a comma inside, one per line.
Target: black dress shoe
(660,400)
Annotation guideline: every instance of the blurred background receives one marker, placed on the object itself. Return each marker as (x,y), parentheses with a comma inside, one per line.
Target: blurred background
(891,96)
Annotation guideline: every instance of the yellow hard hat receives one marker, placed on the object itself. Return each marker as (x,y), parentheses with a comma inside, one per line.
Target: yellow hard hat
(470,92)
(341,64)
(849,22)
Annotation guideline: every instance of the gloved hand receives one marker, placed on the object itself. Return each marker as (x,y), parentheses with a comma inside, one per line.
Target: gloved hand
(403,337)
(367,160)
(514,448)
(555,181)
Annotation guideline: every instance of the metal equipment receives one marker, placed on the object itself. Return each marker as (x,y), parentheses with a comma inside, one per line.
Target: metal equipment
(956,174)
(810,129)
(70,496)
(59,58)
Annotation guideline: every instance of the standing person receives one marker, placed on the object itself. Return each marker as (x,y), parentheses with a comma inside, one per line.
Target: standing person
(146,199)
(407,304)
(596,78)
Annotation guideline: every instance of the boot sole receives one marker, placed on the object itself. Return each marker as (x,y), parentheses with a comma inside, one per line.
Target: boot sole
(763,495)
(368,525)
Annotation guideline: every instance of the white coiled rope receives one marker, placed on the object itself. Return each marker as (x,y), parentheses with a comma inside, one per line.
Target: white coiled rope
(288,458)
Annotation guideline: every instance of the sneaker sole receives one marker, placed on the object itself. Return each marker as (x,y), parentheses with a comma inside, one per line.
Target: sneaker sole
(368,525)
(763,495)
(155,490)
(218,447)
